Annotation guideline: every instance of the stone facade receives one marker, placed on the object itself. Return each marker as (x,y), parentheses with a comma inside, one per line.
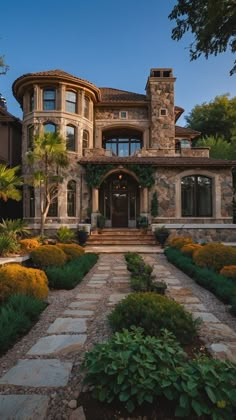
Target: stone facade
(120,129)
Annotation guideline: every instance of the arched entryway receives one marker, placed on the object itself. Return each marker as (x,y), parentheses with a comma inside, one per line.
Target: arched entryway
(119,199)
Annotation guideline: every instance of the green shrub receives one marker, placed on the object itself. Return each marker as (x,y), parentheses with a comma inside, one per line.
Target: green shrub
(215,256)
(223,288)
(68,276)
(8,245)
(17,317)
(17,279)
(72,251)
(65,235)
(131,366)
(48,255)
(153,312)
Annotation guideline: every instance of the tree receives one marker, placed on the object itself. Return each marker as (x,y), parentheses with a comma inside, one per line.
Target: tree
(48,158)
(212,22)
(3,66)
(216,118)
(10,183)
(219,148)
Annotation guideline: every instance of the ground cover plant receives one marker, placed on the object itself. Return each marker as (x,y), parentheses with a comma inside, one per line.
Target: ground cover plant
(142,279)
(68,276)
(136,370)
(17,315)
(224,288)
(153,312)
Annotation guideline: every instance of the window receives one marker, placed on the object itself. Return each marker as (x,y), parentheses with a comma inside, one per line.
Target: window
(31,202)
(30,137)
(71,101)
(31,101)
(52,212)
(85,142)
(196,196)
(123,115)
(50,128)
(86,107)
(123,142)
(70,138)
(163,112)
(49,99)
(71,199)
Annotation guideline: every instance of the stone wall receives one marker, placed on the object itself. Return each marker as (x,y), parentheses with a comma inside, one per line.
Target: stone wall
(109,113)
(220,233)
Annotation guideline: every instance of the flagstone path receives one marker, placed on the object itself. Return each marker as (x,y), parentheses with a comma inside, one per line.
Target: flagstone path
(46,381)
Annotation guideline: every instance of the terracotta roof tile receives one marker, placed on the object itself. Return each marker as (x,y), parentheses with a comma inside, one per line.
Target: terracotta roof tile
(184,131)
(117,95)
(159,161)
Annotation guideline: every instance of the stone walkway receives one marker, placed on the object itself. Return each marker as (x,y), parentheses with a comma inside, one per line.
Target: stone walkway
(45,383)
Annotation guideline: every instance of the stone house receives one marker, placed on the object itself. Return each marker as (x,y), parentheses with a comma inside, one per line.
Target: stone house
(123,147)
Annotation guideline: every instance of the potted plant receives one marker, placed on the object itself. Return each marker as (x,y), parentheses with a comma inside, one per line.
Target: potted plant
(100,222)
(142,222)
(161,235)
(82,236)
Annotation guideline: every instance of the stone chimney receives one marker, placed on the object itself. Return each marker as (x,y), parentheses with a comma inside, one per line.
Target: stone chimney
(3,102)
(160,92)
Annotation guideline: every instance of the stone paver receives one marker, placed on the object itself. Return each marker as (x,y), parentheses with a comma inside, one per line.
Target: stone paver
(38,373)
(78,312)
(205,316)
(65,325)
(86,304)
(23,407)
(87,296)
(58,343)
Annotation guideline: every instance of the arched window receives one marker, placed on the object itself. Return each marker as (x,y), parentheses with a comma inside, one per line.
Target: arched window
(49,99)
(196,196)
(50,128)
(123,142)
(71,199)
(86,107)
(85,141)
(70,138)
(71,101)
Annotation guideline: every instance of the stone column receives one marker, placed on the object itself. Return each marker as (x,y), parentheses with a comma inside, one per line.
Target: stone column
(36,98)
(62,202)
(144,202)
(62,98)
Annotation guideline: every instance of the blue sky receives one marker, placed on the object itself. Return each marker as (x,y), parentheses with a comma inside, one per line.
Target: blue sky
(110,43)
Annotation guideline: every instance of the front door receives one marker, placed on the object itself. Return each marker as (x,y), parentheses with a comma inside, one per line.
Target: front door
(120,209)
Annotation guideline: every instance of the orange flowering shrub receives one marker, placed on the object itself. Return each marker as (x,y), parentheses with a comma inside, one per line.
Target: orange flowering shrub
(189,249)
(48,255)
(179,241)
(229,271)
(17,279)
(215,255)
(29,244)
(72,251)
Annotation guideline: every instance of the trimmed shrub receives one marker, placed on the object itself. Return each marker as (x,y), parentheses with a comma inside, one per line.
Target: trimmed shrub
(72,251)
(17,317)
(48,255)
(130,367)
(68,276)
(215,256)
(179,241)
(229,271)
(190,249)
(28,244)
(16,279)
(152,312)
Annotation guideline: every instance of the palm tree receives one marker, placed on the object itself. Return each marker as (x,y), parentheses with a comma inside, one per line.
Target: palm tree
(10,183)
(48,158)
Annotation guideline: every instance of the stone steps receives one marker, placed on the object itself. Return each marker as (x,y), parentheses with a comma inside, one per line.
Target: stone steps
(121,237)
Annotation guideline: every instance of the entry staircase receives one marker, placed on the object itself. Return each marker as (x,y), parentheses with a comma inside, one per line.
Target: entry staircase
(121,236)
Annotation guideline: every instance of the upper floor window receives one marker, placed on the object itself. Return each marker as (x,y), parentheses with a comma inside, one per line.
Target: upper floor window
(31,101)
(196,196)
(122,142)
(49,99)
(86,107)
(50,128)
(30,137)
(70,138)
(71,101)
